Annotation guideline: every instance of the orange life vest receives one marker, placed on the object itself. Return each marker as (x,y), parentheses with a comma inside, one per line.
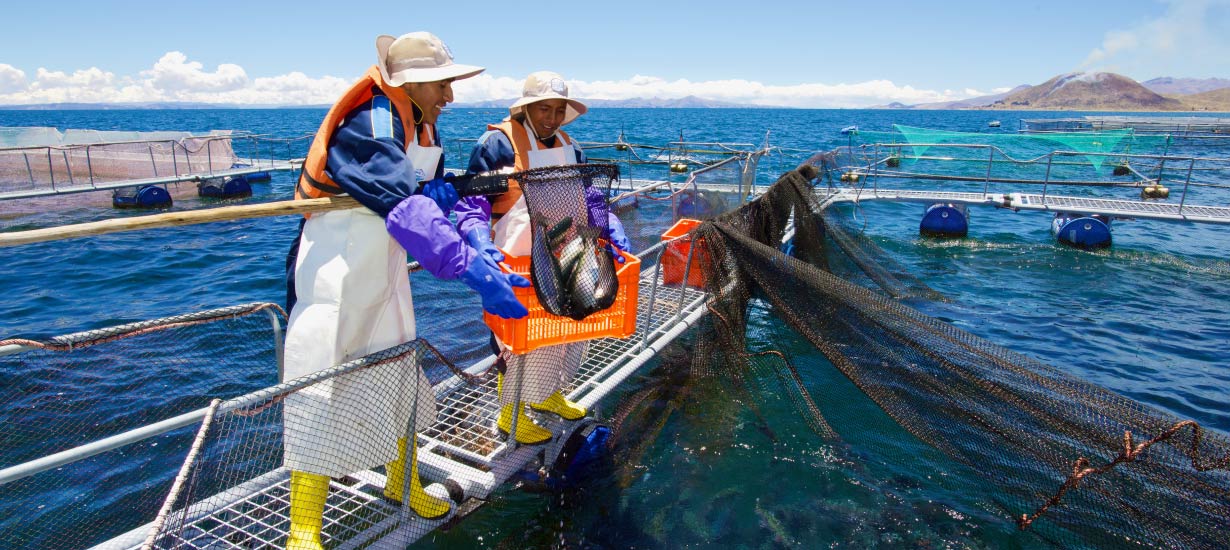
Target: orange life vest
(520,140)
(314,181)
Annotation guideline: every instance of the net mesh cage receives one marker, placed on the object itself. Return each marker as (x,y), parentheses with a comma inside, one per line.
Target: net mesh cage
(31,159)
(1063,460)
(969,160)
(236,491)
(139,373)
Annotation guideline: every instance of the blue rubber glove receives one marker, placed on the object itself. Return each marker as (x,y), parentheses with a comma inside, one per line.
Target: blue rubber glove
(441,191)
(615,230)
(479,238)
(495,288)
(615,233)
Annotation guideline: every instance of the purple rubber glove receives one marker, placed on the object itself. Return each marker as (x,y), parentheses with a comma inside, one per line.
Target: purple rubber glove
(495,287)
(421,228)
(473,212)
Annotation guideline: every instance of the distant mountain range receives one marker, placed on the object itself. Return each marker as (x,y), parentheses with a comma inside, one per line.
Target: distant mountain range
(1099,91)
(156,105)
(1183,86)
(688,102)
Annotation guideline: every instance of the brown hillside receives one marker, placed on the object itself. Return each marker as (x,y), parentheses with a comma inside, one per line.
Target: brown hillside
(1216,100)
(1089,92)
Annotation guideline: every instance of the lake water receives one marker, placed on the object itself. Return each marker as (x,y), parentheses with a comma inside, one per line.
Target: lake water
(1145,318)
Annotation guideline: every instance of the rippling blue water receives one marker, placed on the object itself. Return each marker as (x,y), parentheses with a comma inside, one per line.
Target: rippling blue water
(1146,318)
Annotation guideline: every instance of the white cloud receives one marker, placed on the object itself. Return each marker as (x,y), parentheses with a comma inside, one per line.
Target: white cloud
(11,78)
(173,73)
(1188,40)
(86,78)
(174,77)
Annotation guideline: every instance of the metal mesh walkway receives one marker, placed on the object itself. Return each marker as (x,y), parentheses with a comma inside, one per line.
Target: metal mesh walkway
(1131,209)
(462,443)
(464,429)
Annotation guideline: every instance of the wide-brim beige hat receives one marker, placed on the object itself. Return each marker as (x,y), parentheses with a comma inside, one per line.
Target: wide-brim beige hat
(543,85)
(418,57)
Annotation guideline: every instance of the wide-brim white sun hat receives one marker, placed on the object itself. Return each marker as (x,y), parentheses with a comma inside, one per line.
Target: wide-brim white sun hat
(418,57)
(543,85)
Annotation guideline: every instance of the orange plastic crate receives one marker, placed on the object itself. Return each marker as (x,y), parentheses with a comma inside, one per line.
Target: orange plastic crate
(675,257)
(540,328)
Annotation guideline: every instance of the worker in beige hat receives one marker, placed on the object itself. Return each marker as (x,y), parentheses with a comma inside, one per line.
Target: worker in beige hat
(348,287)
(531,137)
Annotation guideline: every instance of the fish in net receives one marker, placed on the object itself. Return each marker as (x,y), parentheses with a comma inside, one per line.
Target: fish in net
(572,265)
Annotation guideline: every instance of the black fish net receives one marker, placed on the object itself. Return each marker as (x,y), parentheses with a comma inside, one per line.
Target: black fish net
(571,264)
(1073,463)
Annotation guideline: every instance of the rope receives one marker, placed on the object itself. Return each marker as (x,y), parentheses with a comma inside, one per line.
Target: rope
(177,486)
(1081,468)
(72,345)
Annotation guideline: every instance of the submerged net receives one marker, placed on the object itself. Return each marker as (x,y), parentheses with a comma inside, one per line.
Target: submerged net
(1072,463)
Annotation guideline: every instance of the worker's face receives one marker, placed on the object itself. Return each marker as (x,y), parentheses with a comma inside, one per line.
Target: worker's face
(546,116)
(431,97)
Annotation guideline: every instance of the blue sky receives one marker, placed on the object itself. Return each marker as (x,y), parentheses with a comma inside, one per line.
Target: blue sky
(803,53)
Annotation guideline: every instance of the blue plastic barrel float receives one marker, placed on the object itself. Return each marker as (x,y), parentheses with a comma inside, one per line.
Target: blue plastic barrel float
(255,177)
(945,219)
(230,187)
(1081,230)
(145,196)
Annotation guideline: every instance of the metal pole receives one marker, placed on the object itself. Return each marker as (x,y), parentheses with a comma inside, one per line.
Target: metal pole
(1183,199)
(653,294)
(89,166)
(986,184)
(1046,181)
(68,166)
(51,171)
(187,154)
(153,163)
(29,171)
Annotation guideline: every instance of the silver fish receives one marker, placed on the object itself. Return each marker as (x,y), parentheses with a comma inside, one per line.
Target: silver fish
(545,269)
(589,274)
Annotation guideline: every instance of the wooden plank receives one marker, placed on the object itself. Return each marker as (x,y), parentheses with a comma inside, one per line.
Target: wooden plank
(172,219)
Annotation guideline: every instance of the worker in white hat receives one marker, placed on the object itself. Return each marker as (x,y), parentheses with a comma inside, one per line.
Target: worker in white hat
(348,286)
(531,137)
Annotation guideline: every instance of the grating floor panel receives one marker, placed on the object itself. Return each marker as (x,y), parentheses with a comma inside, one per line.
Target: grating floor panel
(1112,207)
(353,515)
(255,515)
(465,427)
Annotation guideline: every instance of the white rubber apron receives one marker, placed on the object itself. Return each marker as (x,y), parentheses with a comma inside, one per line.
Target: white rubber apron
(354,299)
(541,372)
(512,232)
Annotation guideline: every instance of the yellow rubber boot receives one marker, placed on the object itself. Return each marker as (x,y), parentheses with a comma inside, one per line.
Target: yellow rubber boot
(558,405)
(528,433)
(307,507)
(423,504)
